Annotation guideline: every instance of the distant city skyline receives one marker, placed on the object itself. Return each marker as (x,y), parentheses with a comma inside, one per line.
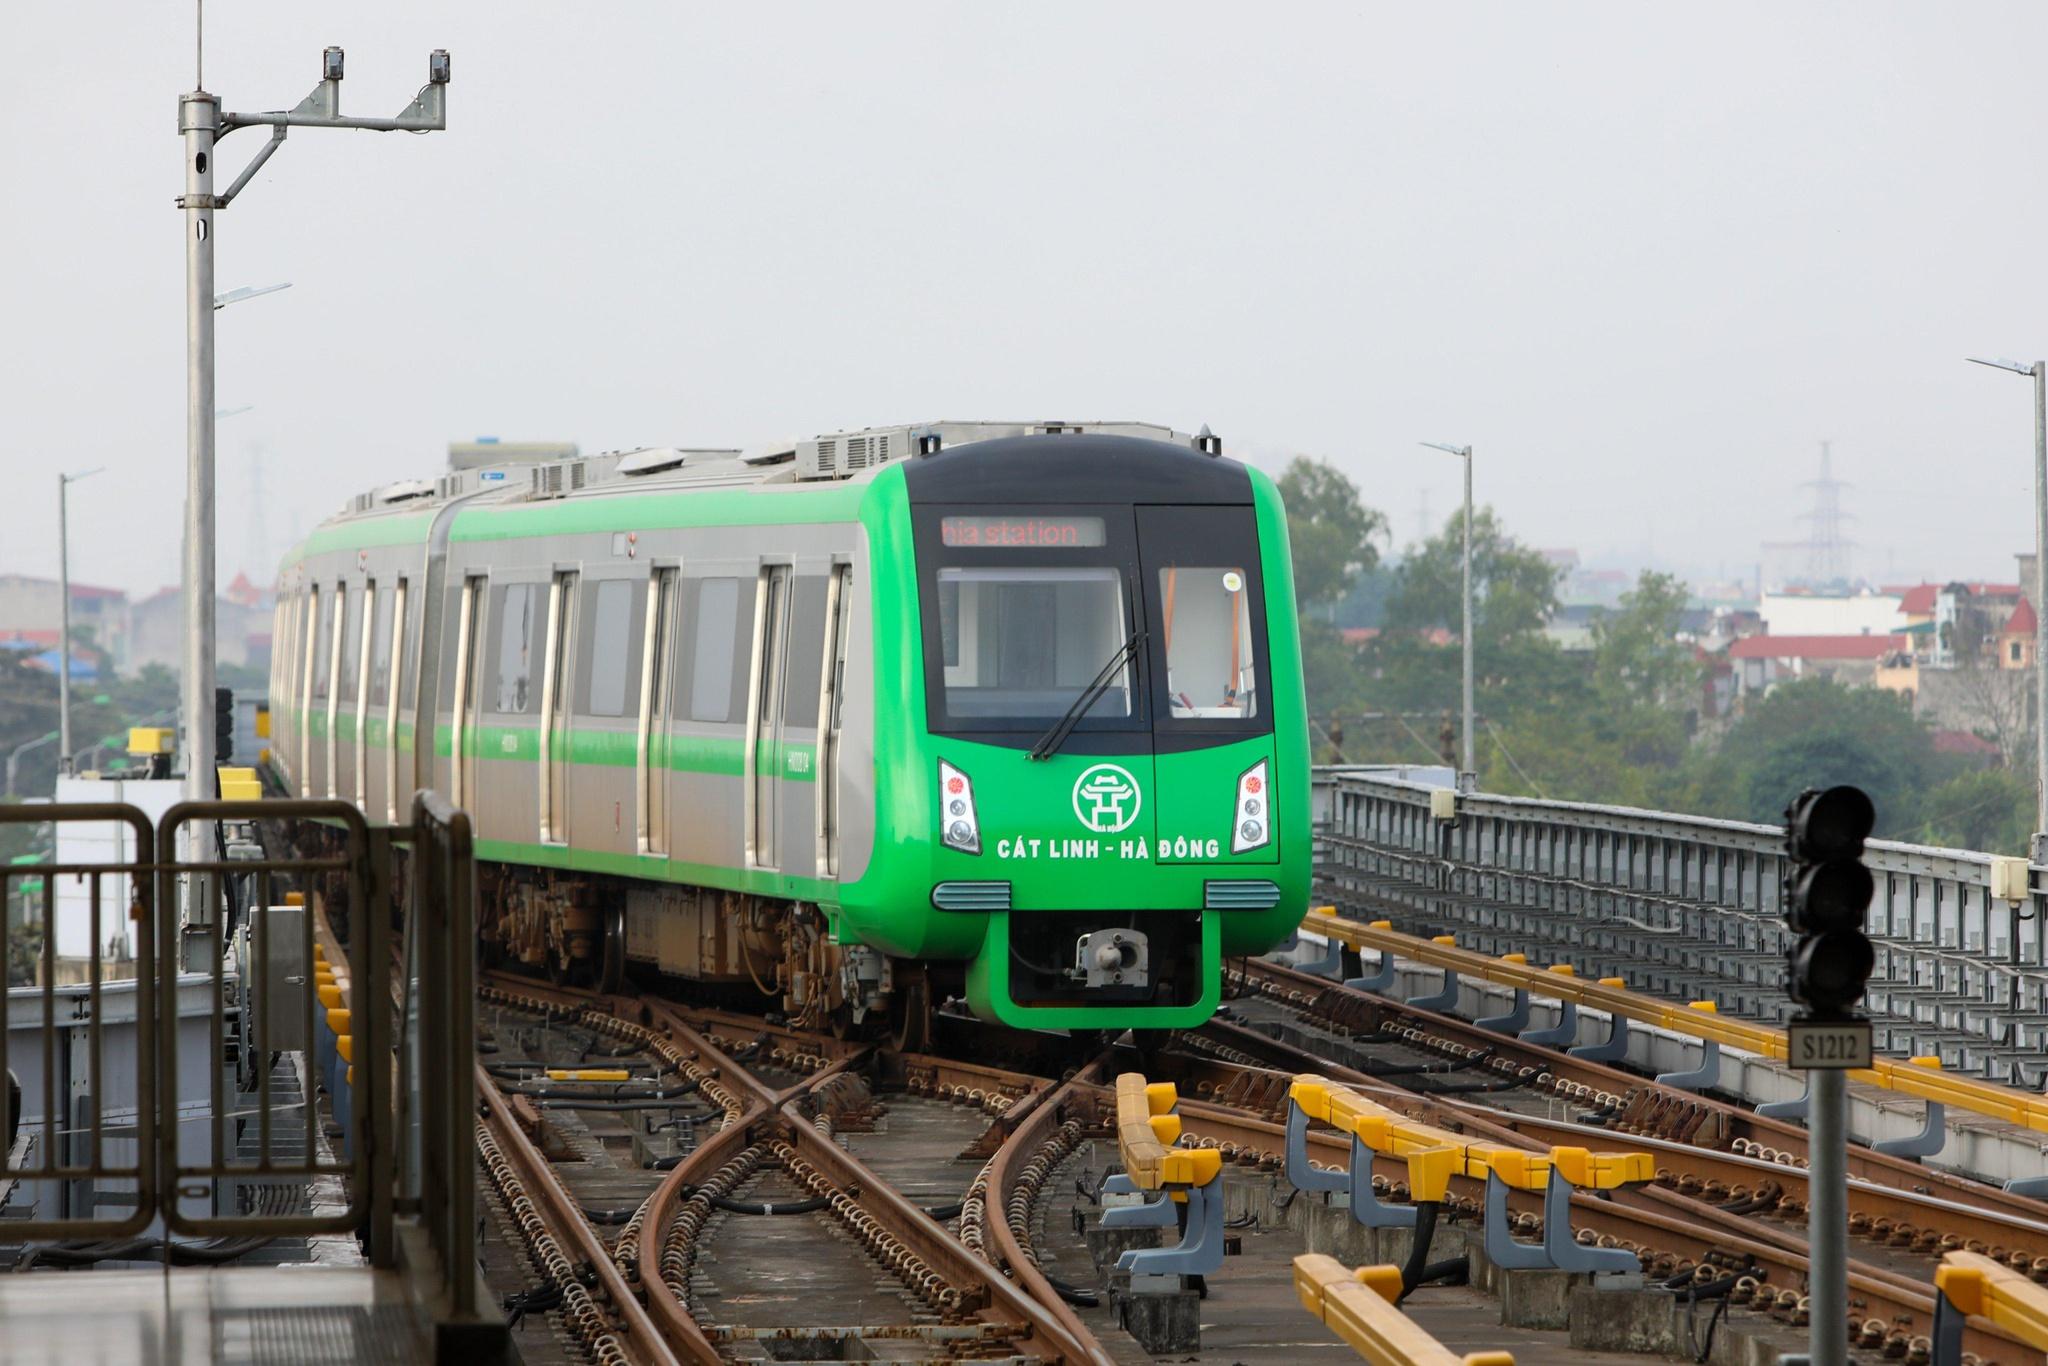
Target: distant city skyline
(1641,258)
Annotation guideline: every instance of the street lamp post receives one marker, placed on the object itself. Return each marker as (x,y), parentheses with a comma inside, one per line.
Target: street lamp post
(64,482)
(202,123)
(2038,371)
(1465,453)
(14,757)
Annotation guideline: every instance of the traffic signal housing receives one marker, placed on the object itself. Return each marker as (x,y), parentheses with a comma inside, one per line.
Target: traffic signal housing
(223,725)
(1827,895)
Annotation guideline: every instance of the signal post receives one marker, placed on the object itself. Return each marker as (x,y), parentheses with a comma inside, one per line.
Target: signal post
(1827,895)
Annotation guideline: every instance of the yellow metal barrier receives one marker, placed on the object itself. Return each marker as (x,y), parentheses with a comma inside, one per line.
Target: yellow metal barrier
(1435,1155)
(589,1074)
(239,785)
(1142,1112)
(1974,1284)
(1696,1020)
(1146,1129)
(1360,1308)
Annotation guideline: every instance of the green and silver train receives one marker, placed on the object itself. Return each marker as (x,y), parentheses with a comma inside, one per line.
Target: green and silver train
(1004,711)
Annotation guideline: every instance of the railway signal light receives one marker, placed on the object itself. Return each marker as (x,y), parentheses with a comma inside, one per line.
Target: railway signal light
(1827,893)
(223,724)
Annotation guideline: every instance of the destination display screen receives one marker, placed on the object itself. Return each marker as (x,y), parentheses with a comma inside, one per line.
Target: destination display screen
(1026,532)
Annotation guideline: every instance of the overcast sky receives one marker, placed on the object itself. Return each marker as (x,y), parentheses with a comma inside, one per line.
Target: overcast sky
(1644,259)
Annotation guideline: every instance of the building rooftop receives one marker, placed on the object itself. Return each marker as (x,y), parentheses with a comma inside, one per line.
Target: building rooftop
(78,590)
(1816,647)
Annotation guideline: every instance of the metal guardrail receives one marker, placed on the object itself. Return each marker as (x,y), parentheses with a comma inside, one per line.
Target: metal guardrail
(273,982)
(438,1033)
(111,1157)
(203,1120)
(1691,907)
(1908,1078)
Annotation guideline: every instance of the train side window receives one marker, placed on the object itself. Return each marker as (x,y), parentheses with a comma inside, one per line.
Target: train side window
(323,638)
(380,648)
(351,648)
(611,663)
(806,644)
(408,648)
(516,611)
(717,637)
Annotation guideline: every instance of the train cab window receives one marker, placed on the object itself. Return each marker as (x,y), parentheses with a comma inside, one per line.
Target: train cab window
(1025,608)
(516,691)
(1212,665)
(1023,642)
(1208,619)
(717,650)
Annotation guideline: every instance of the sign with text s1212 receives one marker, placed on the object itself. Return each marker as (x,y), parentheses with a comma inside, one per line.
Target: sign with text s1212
(1827,1045)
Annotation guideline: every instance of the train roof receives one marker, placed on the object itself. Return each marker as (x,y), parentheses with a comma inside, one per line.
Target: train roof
(835,457)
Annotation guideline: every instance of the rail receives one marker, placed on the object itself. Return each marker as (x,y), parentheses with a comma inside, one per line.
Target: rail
(1960,971)
(1692,1020)
(1360,1308)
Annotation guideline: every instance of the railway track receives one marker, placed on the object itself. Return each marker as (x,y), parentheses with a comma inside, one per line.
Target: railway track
(1712,1212)
(1729,1201)
(782,1096)
(1629,1104)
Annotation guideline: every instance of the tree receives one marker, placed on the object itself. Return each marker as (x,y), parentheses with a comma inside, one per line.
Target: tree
(1516,667)
(1816,733)
(1514,589)
(1991,811)
(1331,529)
(1638,660)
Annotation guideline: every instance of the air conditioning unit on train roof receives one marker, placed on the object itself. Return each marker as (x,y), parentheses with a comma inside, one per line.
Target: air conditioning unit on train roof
(842,455)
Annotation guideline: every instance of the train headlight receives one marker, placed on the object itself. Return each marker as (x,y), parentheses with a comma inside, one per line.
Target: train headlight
(1251,827)
(958,826)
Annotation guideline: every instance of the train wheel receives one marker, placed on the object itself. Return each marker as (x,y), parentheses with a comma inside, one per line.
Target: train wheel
(910,1026)
(612,974)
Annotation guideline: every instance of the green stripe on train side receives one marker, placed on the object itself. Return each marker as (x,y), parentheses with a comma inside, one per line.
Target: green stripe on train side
(679,509)
(398,528)
(599,749)
(761,881)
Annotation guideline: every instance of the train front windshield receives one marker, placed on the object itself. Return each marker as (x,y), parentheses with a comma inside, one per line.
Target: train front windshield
(1026,609)
(1023,642)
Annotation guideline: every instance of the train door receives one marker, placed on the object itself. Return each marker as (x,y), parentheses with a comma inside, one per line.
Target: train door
(554,710)
(657,671)
(762,758)
(831,707)
(363,655)
(394,685)
(469,635)
(309,650)
(330,675)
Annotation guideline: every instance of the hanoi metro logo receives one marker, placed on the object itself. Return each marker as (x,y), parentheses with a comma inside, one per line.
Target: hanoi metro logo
(1106,798)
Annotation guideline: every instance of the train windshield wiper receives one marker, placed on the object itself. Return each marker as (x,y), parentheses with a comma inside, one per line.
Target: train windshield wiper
(1049,742)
